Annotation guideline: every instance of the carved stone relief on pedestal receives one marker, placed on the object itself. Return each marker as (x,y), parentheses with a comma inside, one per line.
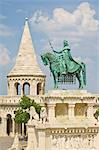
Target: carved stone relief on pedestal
(70,142)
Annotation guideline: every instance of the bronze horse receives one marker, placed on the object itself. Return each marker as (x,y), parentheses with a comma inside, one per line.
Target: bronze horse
(56,68)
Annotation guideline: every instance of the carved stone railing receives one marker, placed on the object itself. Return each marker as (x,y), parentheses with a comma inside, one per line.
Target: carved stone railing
(5,100)
(14,100)
(73,138)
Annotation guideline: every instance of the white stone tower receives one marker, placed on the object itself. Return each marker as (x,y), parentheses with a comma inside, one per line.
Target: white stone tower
(26,74)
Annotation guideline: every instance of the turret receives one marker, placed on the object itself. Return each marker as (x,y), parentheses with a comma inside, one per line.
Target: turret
(26,76)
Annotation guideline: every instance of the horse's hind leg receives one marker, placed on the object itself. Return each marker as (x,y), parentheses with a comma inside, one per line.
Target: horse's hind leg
(79,77)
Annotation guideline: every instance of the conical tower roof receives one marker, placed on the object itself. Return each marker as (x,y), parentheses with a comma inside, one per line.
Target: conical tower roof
(26,62)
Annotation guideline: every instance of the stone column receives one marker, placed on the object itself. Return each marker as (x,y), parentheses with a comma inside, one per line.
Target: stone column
(32,137)
(13,128)
(8,87)
(41,137)
(51,112)
(4,126)
(22,92)
(23,129)
(42,87)
(71,111)
(11,88)
(48,143)
(19,128)
(90,111)
(33,88)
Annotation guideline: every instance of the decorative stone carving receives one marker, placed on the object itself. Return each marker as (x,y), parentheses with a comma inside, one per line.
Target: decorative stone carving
(15,145)
(33,114)
(43,115)
(70,142)
(54,144)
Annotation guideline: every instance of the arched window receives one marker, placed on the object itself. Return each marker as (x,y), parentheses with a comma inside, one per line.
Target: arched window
(26,88)
(9,124)
(17,89)
(39,89)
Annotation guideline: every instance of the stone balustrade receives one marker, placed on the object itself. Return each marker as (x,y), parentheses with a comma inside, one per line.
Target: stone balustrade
(4,100)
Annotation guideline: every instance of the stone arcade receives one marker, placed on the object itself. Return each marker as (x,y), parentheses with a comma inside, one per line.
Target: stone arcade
(70,123)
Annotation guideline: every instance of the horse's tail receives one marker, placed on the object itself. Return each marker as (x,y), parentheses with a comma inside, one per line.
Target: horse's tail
(84,73)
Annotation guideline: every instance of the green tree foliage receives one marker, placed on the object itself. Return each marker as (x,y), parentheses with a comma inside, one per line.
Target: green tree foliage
(25,102)
(21,115)
(96,114)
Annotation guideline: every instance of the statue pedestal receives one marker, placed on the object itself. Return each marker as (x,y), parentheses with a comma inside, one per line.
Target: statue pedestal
(32,137)
(67,92)
(70,105)
(36,136)
(42,137)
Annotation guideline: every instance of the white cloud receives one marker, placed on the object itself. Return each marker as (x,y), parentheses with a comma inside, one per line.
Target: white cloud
(79,27)
(4,55)
(5,31)
(81,18)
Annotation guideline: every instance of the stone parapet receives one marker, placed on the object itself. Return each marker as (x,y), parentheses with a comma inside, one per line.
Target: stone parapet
(67,138)
(14,100)
(69,96)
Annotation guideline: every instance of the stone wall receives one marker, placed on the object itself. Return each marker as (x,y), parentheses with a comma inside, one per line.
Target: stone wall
(58,138)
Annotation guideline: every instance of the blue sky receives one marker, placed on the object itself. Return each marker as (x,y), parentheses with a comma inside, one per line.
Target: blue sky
(74,20)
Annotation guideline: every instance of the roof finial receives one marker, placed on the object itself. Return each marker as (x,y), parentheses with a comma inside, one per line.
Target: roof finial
(26,19)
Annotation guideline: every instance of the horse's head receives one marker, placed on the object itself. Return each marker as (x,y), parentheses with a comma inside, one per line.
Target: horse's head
(47,58)
(44,59)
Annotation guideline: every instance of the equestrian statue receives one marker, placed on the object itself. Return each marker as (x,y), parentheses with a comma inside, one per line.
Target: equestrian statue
(63,67)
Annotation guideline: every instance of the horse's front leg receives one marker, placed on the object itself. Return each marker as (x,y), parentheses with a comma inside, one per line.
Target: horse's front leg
(55,81)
